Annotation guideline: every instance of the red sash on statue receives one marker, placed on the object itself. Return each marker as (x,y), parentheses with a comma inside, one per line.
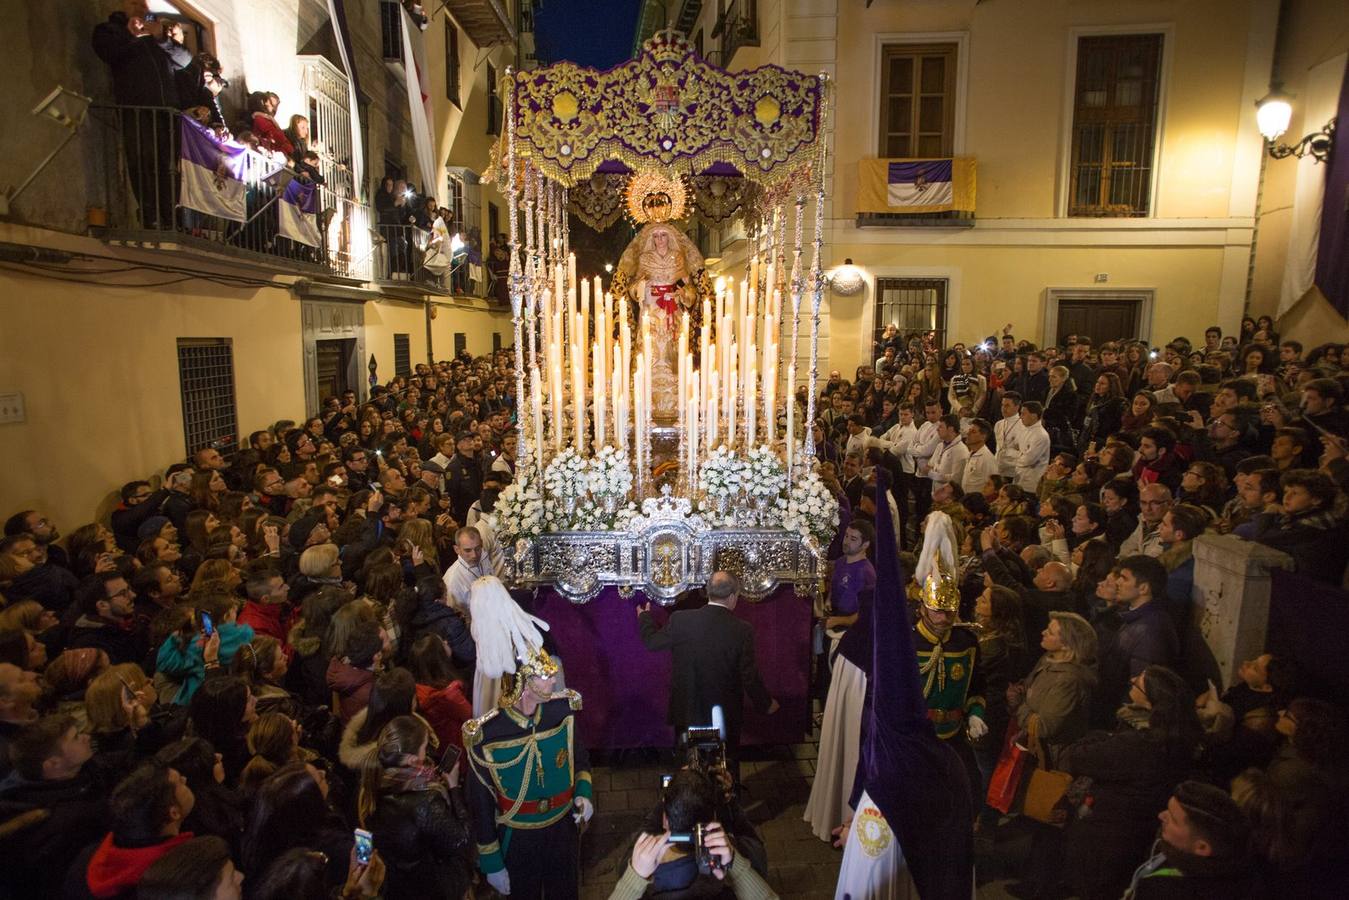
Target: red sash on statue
(665,297)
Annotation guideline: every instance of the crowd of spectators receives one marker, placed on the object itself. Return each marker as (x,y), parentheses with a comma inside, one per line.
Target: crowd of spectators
(1078,478)
(264,648)
(255,654)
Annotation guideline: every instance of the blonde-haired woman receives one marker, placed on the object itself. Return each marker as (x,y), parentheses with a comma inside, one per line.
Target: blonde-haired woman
(1054,701)
(420,533)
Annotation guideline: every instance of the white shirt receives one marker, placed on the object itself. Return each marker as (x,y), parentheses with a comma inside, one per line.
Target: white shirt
(459,579)
(924,444)
(1034,457)
(948,462)
(897,441)
(1007,434)
(978,467)
(857,443)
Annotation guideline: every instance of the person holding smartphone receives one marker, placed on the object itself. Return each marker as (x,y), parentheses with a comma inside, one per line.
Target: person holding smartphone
(411,810)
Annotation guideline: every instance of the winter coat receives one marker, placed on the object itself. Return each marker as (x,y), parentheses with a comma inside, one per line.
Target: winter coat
(126,520)
(352,687)
(186,665)
(1133,773)
(1058,693)
(1103,419)
(445,710)
(271,619)
(423,839)
(1314,539)
(121,643)
(446,623)
(143,68)
(76,815)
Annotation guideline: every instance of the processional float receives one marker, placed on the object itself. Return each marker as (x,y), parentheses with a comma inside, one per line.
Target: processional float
(659,438)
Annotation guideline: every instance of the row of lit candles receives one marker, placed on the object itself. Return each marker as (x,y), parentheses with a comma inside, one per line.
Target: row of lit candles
(721,392)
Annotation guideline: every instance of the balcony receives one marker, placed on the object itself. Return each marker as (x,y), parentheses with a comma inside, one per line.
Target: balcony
(738,27)
(907,193)
(486,22)
(144,192)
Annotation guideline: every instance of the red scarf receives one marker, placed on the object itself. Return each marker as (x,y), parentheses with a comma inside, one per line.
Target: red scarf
(114,870)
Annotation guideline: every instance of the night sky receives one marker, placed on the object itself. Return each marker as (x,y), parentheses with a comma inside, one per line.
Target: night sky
(588,32)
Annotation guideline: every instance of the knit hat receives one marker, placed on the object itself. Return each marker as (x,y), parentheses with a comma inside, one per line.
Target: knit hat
(302,528)
(151,527)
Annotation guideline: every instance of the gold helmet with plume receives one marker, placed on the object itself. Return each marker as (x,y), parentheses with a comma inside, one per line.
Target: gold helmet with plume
(535,662)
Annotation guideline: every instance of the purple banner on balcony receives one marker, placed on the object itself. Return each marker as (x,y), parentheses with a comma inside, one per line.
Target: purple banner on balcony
(295,212)
(212,172)
(1332,255)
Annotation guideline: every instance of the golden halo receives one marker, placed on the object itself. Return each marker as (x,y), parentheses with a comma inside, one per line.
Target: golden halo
(656,197)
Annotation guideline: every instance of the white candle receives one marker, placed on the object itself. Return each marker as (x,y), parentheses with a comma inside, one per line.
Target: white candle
(555,375)
(597,376)
(751,419)
(536,403)
(620,423)
(791,420)
(732,380)
(712,411)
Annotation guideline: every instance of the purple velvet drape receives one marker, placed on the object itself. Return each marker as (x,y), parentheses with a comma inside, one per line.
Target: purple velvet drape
(626,688)
(1332,252)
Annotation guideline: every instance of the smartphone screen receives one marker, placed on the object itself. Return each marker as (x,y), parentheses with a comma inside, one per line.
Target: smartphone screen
(449,758)
(365,845)
(207,626)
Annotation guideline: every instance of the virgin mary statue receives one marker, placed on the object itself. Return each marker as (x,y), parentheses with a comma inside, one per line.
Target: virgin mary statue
(662,271)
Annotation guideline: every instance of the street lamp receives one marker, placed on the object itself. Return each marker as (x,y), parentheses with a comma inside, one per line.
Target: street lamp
(1273,112)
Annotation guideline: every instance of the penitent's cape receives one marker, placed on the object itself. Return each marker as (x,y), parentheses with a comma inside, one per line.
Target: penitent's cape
(916,780)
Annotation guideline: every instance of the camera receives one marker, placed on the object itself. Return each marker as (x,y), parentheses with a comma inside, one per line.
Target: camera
(707,863)
(705,748)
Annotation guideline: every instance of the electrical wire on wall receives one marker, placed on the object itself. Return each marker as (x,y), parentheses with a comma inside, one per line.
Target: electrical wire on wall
(93,268)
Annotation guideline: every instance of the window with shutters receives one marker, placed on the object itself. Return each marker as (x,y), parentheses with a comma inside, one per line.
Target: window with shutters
(206,384)
(452,62)
(917,114)
(402,355)
(1114,131)
(328,105)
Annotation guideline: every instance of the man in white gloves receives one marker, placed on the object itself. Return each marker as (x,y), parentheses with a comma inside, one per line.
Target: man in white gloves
(529,784)
(948,650)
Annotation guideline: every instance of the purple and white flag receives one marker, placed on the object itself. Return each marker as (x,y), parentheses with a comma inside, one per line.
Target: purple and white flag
(212,172)
(296,210)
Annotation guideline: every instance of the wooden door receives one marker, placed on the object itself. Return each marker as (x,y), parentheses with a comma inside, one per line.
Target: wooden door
(1101,320)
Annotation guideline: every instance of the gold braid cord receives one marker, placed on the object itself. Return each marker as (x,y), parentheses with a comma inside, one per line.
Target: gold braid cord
(669,109)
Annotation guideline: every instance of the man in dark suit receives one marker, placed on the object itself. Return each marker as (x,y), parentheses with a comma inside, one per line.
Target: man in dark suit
(713,662)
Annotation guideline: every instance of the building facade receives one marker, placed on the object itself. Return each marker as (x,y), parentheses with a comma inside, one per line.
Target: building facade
(1118,166)
(135,331)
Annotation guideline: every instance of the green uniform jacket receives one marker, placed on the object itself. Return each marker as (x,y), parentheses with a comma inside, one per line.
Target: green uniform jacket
(524,772)
(952,681)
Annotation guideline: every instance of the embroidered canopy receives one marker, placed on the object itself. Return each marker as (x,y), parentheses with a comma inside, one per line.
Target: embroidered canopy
(667,108)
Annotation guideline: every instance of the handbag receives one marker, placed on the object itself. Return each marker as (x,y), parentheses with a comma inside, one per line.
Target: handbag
(1045,787)
(1005,783)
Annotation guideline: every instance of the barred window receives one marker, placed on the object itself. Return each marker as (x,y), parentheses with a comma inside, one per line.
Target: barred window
(1114,125)
(328,106)
(391,30)
(206,382)
(914,305)
(402,355)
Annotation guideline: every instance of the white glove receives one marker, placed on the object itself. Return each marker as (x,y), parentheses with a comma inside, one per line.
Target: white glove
(584,809)
(977,728)
(500,881)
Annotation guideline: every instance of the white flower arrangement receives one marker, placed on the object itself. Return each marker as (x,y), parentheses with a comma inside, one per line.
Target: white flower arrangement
(722,474)
(519,511)
(568,475)
(610,473)
(811,509)
(764,474)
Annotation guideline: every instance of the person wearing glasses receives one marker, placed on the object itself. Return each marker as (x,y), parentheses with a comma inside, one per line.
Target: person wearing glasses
(1153,502)
(107,619)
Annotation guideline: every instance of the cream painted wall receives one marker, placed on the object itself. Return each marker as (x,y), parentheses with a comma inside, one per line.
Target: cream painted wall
(991,286)
(98,367)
